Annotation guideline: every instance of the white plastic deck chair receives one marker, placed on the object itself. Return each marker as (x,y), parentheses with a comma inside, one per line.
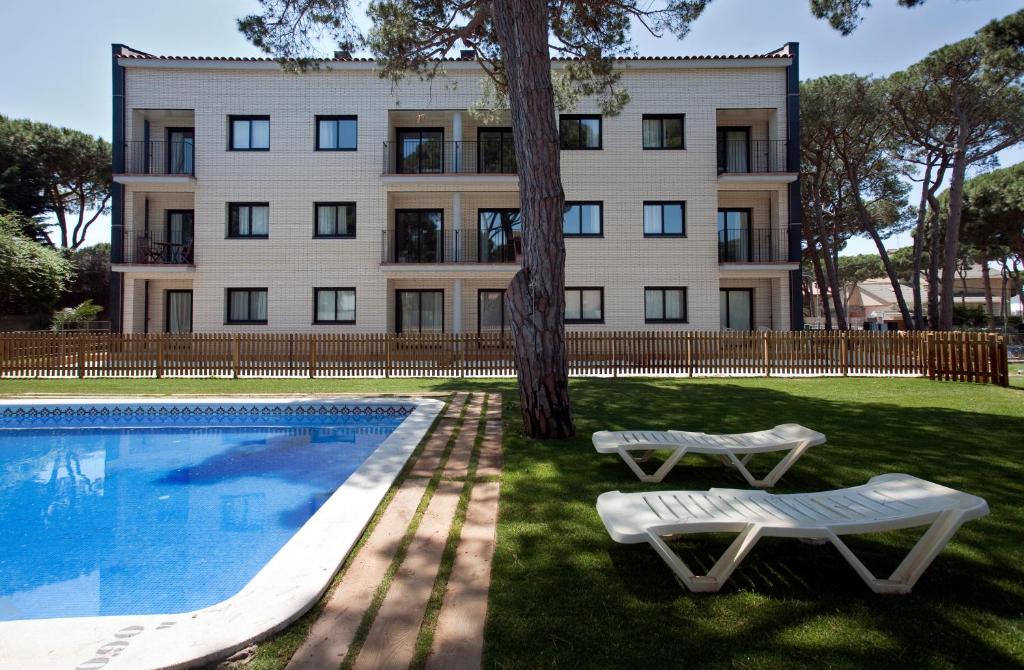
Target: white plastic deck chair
(886,502)
(734,449)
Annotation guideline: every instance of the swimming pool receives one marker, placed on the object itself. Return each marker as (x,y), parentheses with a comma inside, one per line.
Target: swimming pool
(111,510)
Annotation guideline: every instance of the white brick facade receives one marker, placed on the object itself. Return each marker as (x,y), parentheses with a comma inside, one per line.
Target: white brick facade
(292,176)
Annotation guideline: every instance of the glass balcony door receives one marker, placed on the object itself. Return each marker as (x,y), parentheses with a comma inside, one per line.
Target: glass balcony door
(181,150)
(497,154)
(419,235)
(179,311)
(736,308)
(500,230)
(734,236)
(420,150)
(733,149)
(180,236)
(419,311)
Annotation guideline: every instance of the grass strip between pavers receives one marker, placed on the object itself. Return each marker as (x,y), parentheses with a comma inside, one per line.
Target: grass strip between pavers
(396,563)
(425,639)
(275,652)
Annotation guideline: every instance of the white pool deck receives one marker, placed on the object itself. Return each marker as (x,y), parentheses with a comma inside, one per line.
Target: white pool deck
(288,585)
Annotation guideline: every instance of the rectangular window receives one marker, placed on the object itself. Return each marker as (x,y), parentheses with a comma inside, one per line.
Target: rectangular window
(733,149)
(736,308)
(584,305)
(665,304)
(735,242)
(420,150)
(419,311)
(247,305)
(583,219)
(663,131)
(249,219)
(334,305)
(334,219)
(336,133)
(501,233)
(249,133)
(579,131)
(497,154)
(178,317)
(492,313)
(664,219)
(419,236)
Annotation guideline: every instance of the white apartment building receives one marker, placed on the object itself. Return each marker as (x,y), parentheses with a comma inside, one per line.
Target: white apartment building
(249,199)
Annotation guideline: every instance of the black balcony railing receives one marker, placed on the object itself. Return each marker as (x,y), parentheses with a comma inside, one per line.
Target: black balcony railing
(450,246)
(157,248)
(436,157)
(158,157)
(744,245)
(751,156)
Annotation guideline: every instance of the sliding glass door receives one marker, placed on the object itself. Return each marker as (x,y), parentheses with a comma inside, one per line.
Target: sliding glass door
(419,311)
(736,308)
(179,312)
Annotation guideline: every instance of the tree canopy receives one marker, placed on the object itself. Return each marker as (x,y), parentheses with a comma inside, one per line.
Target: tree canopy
(32,275)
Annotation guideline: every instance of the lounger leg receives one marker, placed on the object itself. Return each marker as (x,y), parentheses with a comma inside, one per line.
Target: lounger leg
(904,577)
(658,474)
(776,473)
(719,572)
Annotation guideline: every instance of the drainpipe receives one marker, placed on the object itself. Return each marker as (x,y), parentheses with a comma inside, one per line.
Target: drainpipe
(796,294)
(117,190)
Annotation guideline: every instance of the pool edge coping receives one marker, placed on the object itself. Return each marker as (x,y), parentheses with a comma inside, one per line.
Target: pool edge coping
(270,601)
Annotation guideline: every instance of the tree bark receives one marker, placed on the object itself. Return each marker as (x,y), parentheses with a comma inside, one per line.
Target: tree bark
(536,295)
(819,279)
(951,245)
(827,256)
(986,278)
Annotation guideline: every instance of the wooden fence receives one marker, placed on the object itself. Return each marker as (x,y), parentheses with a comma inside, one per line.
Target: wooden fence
(971,357)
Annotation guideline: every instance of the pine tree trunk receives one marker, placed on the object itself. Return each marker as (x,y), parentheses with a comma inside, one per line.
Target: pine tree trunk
(536,295)
(986,277)
(952,242)
(934,248)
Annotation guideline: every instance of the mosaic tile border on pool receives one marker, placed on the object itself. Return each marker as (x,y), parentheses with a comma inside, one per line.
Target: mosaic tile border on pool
(217,414)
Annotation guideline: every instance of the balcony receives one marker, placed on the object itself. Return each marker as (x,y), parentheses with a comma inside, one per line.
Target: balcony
(753,246)
(436,157)
(157,249)
(437,247)
(751,156)
(159,157)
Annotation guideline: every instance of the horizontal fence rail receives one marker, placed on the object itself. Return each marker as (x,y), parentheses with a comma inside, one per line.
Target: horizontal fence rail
(968,357)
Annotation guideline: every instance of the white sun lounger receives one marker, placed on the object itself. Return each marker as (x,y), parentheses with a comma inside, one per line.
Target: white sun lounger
(736,449)
(886,502)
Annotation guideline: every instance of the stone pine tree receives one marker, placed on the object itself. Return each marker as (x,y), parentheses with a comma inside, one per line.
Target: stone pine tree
(514,41)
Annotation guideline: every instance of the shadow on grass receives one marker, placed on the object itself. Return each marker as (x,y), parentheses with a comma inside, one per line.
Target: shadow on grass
(565,595)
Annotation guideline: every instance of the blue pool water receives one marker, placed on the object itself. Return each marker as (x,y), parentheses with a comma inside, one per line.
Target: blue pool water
(166,513)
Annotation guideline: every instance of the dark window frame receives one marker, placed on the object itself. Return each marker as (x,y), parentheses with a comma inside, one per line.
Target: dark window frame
(600,218)
(662,203)
(582,117)
(480,147)
(686,304)
(333,117)
(398,308)
(662,118)
(479,313)
(167,308)
(722,152)
(440,232)
(749,233)
(510,242)
(247,117)
(233,207)
(317,321)
(247,289)
(581,289)
(170,130)
(398,150)
(316,219)
(749,291)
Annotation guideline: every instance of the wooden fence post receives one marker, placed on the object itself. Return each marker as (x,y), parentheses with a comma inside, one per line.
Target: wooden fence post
(312,356)
(387,355)
(81,356)
(236,359)
(159,356)
(1002,376)
(766,345)
(3,354)
(844,351)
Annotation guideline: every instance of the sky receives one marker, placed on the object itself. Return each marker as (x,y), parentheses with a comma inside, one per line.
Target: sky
(57,64)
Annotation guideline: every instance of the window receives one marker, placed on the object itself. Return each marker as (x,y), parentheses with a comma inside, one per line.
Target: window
(178,311)
(492,313)
(250,133)
(583,219)
(665,304)
(419,236)
(334,219)
(500,235)
(334,305)
(734,236)
(663,131)
(247,305)
(584,305)
(336,133)
(579,131)
(420,150)
(249,219)
(497,153)
(664,219)
(733,149)
(419,311)
(736,308)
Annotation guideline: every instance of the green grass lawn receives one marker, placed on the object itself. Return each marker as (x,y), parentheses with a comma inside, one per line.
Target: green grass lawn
(1017,374)
(565,596)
